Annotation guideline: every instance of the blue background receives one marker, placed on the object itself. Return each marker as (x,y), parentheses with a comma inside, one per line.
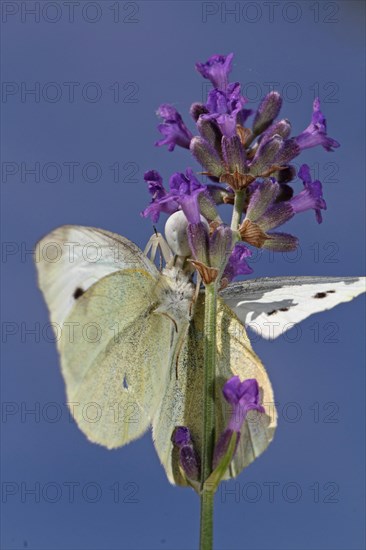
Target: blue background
(149,49)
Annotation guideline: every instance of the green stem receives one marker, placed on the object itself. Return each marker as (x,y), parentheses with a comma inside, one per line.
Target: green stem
(238,209)
(208,439)
(207,507)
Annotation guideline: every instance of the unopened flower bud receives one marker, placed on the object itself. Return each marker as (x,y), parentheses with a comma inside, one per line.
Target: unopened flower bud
(267,112)
(265,156)
(196,110)
(188,458)
(210,131)
(206,156)
(281,128)
(234,154)
(285,175)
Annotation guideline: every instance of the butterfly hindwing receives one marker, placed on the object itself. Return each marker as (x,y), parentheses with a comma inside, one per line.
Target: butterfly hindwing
(271,306)
(115,362)
(182,401)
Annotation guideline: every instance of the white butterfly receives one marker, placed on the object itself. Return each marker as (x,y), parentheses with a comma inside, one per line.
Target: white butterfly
(131,343)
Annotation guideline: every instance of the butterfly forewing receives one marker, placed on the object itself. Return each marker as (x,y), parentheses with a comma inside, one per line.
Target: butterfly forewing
(72,258)
(271,306)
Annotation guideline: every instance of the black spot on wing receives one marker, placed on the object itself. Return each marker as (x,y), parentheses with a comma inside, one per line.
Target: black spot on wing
(323,294)
(319,295)
(78,292)
(274,311)
(125,383)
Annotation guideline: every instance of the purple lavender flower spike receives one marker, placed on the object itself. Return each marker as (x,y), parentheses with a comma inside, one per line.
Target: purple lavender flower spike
(237,264)
(216,69)
(311,196)
(174,130)
(316,132)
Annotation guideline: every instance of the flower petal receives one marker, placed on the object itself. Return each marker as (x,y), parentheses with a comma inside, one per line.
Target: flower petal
(216,69)
(174,130)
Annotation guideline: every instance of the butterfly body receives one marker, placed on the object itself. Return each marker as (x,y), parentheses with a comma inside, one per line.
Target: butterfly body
(176,293)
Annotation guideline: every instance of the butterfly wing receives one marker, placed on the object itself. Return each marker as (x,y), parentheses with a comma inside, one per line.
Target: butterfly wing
(100,290)
(72,258)
(271,306)
(115,357)
(182,401)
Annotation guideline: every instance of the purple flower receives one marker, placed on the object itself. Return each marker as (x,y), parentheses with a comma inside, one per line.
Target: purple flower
(311,197)
(226,108)
(184,191)
(162,201)
(174,130)
(188,457)
(186,188)
(216,69)
(237,264)
(316,132)
(243,397)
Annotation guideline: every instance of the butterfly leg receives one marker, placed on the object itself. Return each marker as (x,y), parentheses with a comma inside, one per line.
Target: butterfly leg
(155,243)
